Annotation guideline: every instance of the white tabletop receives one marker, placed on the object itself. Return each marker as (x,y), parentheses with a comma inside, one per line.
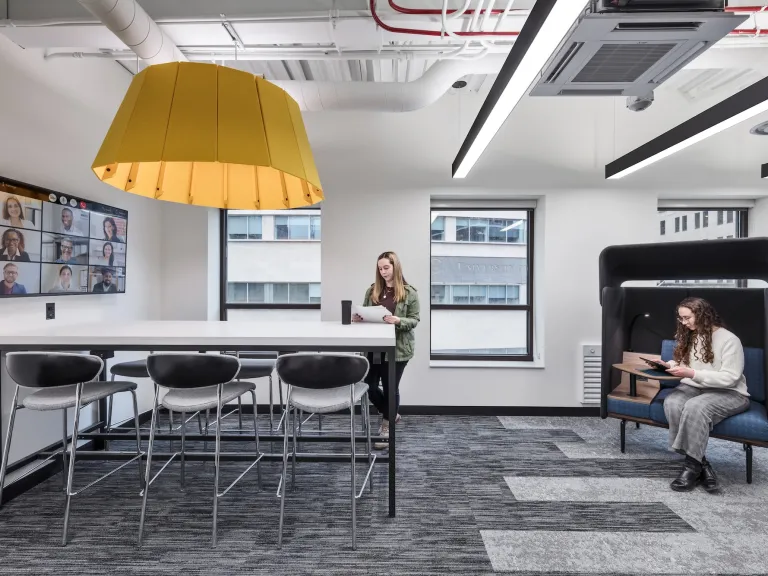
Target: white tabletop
(202,334)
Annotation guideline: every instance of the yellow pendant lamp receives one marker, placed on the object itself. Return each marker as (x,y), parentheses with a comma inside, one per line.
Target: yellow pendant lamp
(211,136)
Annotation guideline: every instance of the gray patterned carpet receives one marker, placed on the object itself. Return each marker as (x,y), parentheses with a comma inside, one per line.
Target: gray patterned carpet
(477,496)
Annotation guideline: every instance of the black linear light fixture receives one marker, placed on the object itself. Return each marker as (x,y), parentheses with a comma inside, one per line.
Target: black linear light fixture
(544,29)
(764,171)
(750,102)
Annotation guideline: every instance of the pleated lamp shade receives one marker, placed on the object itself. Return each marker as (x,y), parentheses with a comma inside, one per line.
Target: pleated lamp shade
(212,136)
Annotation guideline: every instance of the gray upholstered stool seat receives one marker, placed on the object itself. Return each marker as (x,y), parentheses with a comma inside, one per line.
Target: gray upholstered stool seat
(328,400)
(196,399)
(131,369)
(254,368)
(61,397)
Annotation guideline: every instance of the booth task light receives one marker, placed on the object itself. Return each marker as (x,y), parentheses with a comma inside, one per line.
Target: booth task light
(211,136)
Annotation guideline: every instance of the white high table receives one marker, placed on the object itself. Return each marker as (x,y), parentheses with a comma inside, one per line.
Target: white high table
(285,336)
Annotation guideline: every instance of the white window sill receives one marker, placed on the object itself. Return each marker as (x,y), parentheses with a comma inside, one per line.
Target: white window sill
(538,364)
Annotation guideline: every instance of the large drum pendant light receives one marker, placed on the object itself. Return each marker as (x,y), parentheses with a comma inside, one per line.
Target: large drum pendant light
(211,136)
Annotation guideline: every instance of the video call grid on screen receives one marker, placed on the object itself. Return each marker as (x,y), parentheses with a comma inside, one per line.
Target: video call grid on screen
(53,243)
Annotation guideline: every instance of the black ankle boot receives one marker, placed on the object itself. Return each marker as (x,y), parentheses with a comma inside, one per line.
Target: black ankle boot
(708,477)
(689,476)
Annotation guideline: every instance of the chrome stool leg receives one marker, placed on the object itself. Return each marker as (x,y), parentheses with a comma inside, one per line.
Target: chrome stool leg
(284,477)
(64,467)
(72,453)
(240,414)
(216,461)
(320,422)
(4,464)
(367,417)
(149,466)
(183,446)
(352,459)
(108,427)
(295,447)
(138,435)
(256,434)
(170,429)
(271,406)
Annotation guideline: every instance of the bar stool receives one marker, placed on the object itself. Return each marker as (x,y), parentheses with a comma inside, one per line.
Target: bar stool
(321,384)
(196,382)
(64,381)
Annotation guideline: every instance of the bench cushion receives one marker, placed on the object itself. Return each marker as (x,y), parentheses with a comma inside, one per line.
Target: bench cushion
(749,425)
(628,408)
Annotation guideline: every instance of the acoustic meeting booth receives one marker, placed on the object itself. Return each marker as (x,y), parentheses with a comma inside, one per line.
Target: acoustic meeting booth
(627,328)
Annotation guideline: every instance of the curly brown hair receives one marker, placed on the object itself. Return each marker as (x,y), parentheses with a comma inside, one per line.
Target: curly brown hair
(707,320)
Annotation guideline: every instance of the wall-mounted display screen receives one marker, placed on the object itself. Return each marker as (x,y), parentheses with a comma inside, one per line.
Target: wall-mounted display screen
(53,243)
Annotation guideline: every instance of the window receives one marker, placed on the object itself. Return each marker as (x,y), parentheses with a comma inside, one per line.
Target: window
(256,281)
(297,227)
(662,227)
(481,285)
(279,293)
(244,227)
(731,224)
(438,228)
(677,224)
(496,230)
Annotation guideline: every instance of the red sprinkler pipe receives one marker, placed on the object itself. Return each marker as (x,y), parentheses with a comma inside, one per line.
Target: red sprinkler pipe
(439,33)
(436,12)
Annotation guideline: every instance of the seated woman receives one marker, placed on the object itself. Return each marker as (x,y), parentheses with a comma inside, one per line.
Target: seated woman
(710,361)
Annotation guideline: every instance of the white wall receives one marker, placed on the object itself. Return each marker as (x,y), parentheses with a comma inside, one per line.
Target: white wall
(53,116)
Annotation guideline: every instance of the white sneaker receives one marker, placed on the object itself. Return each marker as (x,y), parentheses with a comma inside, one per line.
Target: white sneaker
(383,431)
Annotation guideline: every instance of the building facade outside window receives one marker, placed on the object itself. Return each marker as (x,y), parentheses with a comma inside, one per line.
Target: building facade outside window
(481,284)
(731,223)
(272,264)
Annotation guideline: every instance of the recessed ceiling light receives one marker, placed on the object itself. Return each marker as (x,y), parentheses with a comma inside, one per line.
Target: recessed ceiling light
(459,84)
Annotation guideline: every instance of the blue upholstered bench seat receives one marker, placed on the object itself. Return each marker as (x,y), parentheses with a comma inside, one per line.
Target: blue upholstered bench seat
(628,408)
(749,425)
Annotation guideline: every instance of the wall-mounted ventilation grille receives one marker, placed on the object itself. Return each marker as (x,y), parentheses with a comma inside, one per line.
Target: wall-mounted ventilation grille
(592,356)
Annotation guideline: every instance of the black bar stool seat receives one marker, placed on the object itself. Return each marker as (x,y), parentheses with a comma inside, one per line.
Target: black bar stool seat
(255,368)
(130,369)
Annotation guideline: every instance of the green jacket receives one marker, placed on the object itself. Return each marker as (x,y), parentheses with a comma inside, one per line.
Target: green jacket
(408,312)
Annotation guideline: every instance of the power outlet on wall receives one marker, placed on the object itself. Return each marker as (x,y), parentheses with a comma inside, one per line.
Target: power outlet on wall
(50,311)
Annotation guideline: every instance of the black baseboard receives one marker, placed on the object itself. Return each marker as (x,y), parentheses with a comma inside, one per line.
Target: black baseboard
(416,410)
(500,410)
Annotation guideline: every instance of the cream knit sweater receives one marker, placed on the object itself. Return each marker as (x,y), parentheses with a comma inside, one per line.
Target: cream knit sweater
(727,368)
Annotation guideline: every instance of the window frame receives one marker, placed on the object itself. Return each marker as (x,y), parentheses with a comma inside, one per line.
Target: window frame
(225,306)
(529,307)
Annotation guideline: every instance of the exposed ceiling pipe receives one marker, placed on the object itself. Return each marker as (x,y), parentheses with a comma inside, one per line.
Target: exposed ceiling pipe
(133,26)
(388,96)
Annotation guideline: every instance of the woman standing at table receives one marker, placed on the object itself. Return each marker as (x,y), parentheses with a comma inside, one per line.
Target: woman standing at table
(391,291)
(710,361)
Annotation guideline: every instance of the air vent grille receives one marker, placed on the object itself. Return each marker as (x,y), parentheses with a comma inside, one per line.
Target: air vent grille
(588,92)
(591,373)
(614,63)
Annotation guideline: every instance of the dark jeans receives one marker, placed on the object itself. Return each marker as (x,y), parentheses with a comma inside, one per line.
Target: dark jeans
(380,372)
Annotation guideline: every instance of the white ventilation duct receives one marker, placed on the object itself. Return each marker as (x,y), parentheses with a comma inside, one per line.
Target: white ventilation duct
(131,24)
(388,96)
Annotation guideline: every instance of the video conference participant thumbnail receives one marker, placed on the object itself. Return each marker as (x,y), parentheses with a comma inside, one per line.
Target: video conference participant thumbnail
(19,278)
(18,245)
(64,278)
(108,228)
(65,249)
(65,220)
(106,280)
(108,254)
(19,212)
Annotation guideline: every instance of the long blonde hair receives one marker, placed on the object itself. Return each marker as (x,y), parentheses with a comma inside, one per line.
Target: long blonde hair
(379,286)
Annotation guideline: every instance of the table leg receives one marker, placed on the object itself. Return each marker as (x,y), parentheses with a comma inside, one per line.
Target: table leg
(632,385)
(105,355)
(392,416)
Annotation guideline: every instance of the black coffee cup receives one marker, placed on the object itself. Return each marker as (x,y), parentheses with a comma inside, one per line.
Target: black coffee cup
(346,311)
